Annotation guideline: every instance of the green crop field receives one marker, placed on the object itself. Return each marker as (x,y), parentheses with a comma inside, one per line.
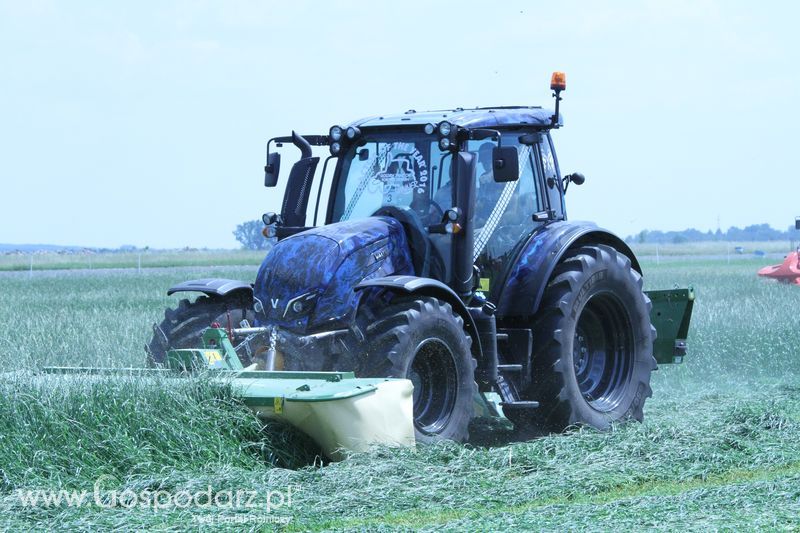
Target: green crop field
(719,447)
(142,259)
(720,248)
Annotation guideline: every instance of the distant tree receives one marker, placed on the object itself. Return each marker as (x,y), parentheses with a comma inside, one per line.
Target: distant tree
(755,232)
(751,233)
(250,237)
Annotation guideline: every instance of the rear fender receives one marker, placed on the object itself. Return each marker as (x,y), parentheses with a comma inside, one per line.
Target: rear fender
(670,315)
(417,286)
(521,292)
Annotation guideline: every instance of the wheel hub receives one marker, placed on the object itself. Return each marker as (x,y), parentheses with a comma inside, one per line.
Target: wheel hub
(603,351)
(434,376)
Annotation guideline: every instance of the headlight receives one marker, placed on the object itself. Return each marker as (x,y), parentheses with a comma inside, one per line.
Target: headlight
(335,148)
(353,132)
(444,143)
(430,128)
(300,306)
(336,133)
(445,128)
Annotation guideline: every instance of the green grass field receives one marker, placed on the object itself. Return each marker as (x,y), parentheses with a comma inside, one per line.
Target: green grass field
(194,258)
(143,259)
(721,248)
(719,448)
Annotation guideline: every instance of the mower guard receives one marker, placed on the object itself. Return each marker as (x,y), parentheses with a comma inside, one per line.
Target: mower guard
(670,315)
(339,411)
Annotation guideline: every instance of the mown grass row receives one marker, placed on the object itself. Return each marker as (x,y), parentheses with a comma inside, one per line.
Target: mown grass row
(727,446)
(61,430)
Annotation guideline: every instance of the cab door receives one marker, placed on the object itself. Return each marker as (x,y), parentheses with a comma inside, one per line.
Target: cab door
(503,211)
(551,177)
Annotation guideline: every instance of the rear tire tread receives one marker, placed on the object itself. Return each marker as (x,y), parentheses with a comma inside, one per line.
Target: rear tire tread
(559,407)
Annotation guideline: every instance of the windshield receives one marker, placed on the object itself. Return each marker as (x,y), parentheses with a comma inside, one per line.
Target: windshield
(409,170)
(391,169)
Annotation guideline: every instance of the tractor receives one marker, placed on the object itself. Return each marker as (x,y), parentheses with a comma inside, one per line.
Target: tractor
(443,254)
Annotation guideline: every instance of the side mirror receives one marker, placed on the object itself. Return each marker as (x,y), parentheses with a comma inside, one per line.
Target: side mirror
(577,178)
(272,169)
(797,223)
(505,163)
(363,154)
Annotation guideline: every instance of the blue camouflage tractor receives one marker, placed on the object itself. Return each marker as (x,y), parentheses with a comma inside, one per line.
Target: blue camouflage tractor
(439,250)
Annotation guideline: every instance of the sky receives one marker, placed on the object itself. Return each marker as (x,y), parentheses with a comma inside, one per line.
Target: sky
(145,123)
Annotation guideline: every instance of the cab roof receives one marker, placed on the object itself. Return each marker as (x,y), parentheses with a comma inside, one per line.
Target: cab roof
(479,117)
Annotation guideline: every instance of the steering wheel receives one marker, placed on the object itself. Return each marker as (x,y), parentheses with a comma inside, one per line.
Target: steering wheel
(435,212)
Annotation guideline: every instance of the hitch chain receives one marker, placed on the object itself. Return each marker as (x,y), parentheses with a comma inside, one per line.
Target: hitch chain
(269,359)
(254,332)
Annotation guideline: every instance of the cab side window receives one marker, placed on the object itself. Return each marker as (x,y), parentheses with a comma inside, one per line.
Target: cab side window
(550,172)
(503,211)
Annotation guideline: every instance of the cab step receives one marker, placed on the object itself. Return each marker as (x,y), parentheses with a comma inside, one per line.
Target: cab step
(519,406)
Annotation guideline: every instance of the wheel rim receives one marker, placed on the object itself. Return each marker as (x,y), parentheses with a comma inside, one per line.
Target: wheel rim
(433,374)
(603,351)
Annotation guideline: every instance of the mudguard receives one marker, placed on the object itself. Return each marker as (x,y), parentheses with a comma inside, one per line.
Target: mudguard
(434,288)
(212,287)
(520,293)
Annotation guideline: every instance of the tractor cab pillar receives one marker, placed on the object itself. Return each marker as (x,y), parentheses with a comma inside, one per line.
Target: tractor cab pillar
(464,241)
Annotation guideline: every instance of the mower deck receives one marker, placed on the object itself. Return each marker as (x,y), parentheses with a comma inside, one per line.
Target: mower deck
(786,272)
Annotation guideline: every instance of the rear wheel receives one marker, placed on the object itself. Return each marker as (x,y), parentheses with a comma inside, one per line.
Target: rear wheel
(594,344)
(183,326)
(424,341)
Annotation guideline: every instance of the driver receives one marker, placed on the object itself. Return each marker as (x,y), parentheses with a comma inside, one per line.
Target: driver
(487,190)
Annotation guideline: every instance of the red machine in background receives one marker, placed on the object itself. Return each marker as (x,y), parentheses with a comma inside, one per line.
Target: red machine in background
(789,270)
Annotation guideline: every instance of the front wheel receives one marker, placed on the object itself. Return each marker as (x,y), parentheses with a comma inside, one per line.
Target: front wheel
(424,341)
(183,326)
(594,344)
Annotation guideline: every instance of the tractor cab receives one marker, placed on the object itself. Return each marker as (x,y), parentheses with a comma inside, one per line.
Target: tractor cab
(485,178)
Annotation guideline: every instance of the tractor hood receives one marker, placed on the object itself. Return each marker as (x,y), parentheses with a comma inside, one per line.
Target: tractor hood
(307,280)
